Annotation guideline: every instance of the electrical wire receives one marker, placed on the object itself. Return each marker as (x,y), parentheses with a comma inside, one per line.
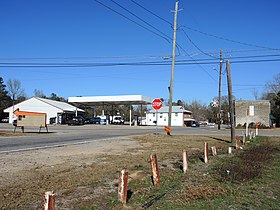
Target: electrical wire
(141,20)
(229,40)
(132,21)
(184,32)
(136,57)
(166,21)
(3,65)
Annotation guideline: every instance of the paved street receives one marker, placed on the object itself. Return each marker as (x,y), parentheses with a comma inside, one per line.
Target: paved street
(61,135)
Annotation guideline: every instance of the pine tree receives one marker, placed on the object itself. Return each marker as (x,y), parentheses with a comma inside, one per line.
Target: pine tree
(5,100)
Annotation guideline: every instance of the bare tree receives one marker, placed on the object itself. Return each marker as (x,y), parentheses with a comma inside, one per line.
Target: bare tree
(39,93)
(274,85)
(14,89)
(255,93)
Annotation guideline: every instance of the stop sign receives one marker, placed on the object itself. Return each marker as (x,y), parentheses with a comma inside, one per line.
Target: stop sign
(157,104)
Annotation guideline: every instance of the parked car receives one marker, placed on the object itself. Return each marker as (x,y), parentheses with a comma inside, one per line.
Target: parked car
(76,121)
(118,120)
(195,124)
(103,122)
(94,120)
(5,120)
(192,123)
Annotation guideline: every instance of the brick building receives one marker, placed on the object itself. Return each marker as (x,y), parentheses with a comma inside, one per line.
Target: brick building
(252,111)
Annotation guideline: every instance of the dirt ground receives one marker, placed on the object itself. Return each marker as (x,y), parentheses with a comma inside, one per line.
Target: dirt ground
(81,175)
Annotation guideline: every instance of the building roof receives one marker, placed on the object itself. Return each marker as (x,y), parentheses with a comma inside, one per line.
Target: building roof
(60,105)
(112,100)
(175,109)
(57,104)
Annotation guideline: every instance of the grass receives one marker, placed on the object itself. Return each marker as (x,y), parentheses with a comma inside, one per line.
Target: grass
(252,182)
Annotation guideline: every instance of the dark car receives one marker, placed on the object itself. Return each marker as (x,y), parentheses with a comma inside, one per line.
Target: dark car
(191,123)
(195,124)
(5,120)
(94,120)
(76,121)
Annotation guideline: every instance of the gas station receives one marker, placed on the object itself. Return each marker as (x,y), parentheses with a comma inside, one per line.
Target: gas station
(112,101)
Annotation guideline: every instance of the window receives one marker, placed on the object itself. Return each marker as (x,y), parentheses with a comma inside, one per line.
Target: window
(251,110)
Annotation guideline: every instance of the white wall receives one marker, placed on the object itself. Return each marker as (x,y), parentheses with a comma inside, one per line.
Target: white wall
(34,105)
(177,119)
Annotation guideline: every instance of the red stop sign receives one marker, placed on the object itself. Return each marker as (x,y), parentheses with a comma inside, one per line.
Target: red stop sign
(157,104)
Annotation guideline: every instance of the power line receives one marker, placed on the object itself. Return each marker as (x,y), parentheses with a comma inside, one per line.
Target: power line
(134,57)
(132,20)
(152,13)
(230,40)
(87,57)
(142,20)
(196,45)
(164,57)
(151,62)
(160,63)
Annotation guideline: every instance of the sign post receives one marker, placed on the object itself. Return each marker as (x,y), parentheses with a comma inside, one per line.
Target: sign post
(157,104)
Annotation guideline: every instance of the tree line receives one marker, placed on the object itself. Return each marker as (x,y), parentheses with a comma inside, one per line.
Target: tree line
(13,93)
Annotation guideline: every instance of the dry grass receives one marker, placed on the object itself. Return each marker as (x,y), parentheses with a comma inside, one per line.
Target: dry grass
(91,183)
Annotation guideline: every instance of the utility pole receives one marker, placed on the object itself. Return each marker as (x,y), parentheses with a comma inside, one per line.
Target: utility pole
(173,65)
(230,99)
(220,89)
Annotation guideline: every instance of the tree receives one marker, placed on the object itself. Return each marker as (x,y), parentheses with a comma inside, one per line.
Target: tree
(273,94)
(198,109)
(39,93)
(5,100)
(54,97)
(255,93)
(274,85)
(15,91)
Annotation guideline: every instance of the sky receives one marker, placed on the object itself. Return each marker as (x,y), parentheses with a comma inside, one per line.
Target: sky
(124,47)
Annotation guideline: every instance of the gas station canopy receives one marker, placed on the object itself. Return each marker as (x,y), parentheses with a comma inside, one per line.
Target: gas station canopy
(111,100)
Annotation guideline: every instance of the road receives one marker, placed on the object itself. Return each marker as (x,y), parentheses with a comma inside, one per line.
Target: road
(62,135)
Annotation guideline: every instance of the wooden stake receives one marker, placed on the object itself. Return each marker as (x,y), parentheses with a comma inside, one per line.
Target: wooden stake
(237,141)
(229,150)
(206,152)
(244,139)
(214,151)
(155,171)
(122,188)
(185,161)
(48,201)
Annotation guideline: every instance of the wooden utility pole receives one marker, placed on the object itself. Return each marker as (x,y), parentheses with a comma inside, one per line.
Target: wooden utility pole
(230,100)
(220,89)
(173,65)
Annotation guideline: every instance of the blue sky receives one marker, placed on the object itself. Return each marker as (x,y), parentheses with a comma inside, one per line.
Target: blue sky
(84,32)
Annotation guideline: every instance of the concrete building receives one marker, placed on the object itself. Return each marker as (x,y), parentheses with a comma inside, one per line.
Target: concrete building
(252,112)
(179,116)
(57,111)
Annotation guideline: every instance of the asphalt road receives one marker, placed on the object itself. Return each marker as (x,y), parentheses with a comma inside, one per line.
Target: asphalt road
(62,135)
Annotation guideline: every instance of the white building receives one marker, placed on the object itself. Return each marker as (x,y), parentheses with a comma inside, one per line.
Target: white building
(178,117)
(57,111)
